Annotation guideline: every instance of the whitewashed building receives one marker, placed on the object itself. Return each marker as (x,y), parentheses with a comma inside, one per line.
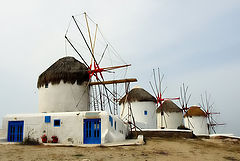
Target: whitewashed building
(69,127)
(169,116)
(196,119)
(64,111)
(143,106)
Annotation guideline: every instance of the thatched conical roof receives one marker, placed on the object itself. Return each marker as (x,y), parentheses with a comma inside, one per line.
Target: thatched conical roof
(67,69)
(138,94)
(169,106)
(195,111)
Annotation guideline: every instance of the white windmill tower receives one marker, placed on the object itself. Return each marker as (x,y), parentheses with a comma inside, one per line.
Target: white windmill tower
(194,117)
(142,106)
(169,115)
(63,87)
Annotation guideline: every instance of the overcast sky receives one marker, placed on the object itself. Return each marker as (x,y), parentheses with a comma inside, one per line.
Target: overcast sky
(195,42)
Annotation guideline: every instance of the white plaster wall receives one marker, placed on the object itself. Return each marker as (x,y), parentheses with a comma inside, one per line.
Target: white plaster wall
(1,134)
(64,97)
(71,129)
(173,120)
(118,134)
(148,121)
(34,125)
(198,124)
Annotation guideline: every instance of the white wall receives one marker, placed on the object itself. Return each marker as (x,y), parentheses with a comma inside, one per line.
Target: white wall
(35,126)
(169,120)
(143,121)
(71,129)
(64,97)
(2,133)
(198,124)
(119,133)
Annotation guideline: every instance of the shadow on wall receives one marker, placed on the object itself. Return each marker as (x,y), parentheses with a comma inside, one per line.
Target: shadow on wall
(1,133)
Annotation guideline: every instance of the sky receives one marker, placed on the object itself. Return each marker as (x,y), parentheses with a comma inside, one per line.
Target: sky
(192,42)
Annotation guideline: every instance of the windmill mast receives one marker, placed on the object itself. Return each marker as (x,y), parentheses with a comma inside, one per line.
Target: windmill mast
(158,93)
(208,109)
(101,94)
(184,100)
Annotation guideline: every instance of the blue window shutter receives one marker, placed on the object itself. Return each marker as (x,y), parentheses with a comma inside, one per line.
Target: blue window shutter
(47,119)
(145,112)
(111,120)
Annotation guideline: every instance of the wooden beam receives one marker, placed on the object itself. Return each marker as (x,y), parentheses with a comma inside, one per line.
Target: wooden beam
(114,81)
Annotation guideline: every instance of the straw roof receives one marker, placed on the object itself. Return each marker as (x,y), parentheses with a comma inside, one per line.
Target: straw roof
(138,94)
(169,106)
(195,111)
(67,69)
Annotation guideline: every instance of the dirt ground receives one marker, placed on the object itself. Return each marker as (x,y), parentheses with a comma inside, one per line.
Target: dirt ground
(154,149)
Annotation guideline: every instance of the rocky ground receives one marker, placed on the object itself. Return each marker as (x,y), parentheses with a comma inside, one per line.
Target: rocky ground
(154,149)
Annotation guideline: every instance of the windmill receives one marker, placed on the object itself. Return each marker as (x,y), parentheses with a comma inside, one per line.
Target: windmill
(183,101)
(158,93)
(207,107)
(103,96)
(195,118)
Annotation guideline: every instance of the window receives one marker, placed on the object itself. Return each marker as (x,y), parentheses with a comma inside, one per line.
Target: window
(145,112)
(47,119)
(115,124)
(111,120)
(46,85)
(57,123)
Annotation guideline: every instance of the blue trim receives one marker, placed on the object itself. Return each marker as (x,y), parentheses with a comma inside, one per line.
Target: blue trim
(47,119)
(111,120)
(57,123)
(92,131)
(15,131)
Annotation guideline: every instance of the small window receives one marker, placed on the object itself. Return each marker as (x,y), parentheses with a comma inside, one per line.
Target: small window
(57,123)
(47,119)
(111,120)
(145,112)
(115,124)
(46,85)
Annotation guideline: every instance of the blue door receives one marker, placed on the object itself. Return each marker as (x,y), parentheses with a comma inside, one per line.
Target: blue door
(92,131)
(15,131)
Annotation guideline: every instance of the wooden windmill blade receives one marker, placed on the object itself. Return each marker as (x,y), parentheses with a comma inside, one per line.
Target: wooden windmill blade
(213,123)
(181,100)
(94,69)
(156,87)
(91,52)
(207,106)
(185,98)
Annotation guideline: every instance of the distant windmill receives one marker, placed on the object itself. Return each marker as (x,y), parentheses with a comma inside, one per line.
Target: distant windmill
(184,100)
(208,109)
(195,118)
(164,105)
